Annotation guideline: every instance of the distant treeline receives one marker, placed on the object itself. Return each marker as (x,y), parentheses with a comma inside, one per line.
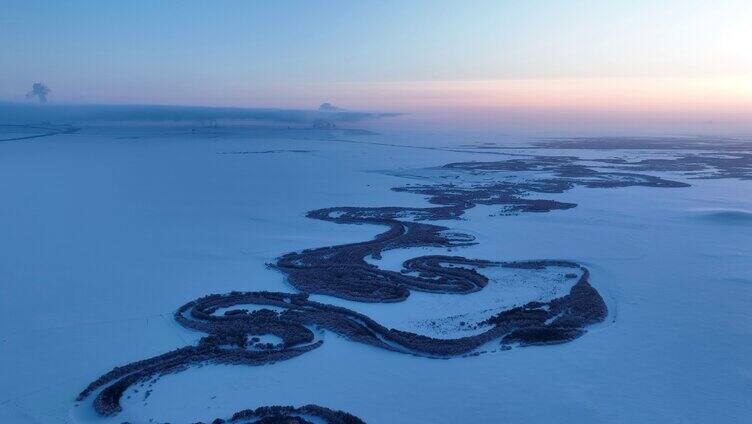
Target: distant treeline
(24,113)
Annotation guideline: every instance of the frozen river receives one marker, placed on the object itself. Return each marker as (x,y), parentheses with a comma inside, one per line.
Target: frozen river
(107,231)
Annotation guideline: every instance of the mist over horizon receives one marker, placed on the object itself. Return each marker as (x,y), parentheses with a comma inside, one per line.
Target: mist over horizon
(488,120)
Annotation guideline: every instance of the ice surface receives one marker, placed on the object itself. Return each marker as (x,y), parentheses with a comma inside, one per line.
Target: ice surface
(107,231)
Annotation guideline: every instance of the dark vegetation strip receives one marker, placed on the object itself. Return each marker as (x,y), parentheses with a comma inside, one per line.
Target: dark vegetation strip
(307,414)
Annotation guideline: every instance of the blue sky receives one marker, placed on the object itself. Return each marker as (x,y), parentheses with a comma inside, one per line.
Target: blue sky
(292,53)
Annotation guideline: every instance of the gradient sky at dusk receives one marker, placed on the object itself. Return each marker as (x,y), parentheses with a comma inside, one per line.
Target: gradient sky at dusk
(672,56)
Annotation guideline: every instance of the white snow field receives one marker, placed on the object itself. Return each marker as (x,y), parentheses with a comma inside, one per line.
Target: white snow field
(106,232)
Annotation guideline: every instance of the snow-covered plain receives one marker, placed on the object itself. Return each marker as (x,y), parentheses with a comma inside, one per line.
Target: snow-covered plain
(107,231)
